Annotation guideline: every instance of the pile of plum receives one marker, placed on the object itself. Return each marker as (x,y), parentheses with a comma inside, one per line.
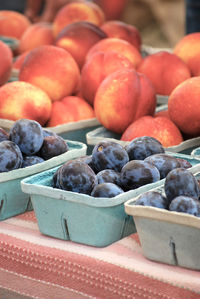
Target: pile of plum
(26,144)
(181,193)
(113,169)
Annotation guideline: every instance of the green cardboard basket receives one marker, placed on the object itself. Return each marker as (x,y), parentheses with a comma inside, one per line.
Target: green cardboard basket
(11,42)
(167,237)
(12,200)
(82,218)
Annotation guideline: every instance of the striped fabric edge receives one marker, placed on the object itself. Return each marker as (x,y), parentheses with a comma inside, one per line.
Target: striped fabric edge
(84,273)
(127,257)
(34,288)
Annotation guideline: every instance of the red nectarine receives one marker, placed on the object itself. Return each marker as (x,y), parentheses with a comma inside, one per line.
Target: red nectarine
(165,70)
(188,49)
(23,100)
(13,23)
(161,128)
(36,35)
(52,69)
(113,9)
(124,31)
(121,97)
(70,109)
(184,106)
(77,11)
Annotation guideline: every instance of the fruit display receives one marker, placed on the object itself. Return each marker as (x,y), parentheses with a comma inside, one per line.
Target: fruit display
(113,169)
(83,54)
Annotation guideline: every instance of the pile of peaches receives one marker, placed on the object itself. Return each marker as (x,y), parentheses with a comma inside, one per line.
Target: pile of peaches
(83,66)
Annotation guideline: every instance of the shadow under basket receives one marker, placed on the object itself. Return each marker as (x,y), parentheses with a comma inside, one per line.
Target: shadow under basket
(12,200)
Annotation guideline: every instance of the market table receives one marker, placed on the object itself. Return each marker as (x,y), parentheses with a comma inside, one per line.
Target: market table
(36,266)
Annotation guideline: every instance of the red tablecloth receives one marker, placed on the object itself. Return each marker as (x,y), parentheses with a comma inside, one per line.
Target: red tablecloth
(38,266)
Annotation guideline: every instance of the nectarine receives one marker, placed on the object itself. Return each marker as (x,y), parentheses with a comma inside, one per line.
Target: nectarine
(13,23)
(118,45)
(165,70)
(161,128)
(6,57)
(52,69)
(77,38)
(188,49)
(184,106)
(77,11)
(113,9)
(124,31)
(24,100)
(70,109)
(120,98)
(36,35)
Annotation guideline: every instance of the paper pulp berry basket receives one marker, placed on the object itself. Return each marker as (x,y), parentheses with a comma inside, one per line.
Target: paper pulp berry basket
(168,237)
(11,42)
(12,200)
(81,218)
(75,131)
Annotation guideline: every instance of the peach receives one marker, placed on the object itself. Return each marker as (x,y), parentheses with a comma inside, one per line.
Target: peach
(24,100)
(161,128)
(188,49)
(184,106)
(70,109)
(77,11)
(36,35)
(120,98)
(124,31)
(97,67)
(13,24)
(165,70)
(77,38)
(52,69)
(6,57)
(113,9)
(118,45)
